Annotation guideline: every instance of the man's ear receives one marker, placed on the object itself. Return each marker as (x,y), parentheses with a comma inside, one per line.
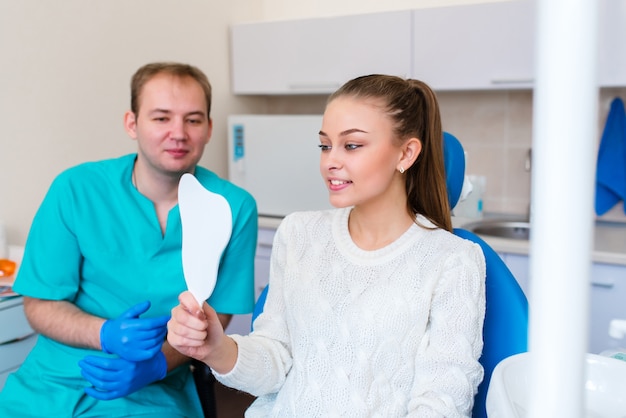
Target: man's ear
(130,124)
(210,131)
(411,149)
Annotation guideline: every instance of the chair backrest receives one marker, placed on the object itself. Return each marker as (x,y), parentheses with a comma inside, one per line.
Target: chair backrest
(505,330)
(258,306)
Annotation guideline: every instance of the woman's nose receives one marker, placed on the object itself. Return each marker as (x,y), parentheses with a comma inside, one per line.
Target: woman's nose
(330,160)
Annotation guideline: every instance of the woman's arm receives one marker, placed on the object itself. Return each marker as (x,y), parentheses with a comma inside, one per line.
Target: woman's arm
(447,371)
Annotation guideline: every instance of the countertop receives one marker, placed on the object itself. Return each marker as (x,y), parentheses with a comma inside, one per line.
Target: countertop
(270,222)
(609,238)
(609,244)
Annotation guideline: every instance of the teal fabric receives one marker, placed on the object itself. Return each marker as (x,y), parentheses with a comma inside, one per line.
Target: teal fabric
(96,241)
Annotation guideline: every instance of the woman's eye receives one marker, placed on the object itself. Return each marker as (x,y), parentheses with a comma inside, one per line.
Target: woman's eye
(352,146)
(324,147)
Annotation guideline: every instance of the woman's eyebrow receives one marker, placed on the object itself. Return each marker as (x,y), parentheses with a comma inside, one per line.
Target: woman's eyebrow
(344,133)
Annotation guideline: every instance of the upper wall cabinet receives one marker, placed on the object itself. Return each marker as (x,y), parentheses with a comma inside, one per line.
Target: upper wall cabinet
(612,43)
(478,46)
(316,56)
(482,46)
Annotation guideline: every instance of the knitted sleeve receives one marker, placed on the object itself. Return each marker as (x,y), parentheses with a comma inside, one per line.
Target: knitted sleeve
(264,356)
(447,371)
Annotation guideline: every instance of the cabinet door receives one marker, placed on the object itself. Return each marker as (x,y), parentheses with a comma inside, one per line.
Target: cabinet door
(240,324)
(607,302)
(12,312)
(478,46)
(607,296)
(518,264)
(262,260)
(17,338)
(612,43)
(316,56)
(12,355)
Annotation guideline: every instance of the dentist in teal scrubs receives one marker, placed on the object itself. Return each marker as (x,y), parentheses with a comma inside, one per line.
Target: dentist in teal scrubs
(102,266)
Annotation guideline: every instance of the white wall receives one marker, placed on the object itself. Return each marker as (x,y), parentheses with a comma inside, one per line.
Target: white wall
(65,68)
(293,9)
(494,126)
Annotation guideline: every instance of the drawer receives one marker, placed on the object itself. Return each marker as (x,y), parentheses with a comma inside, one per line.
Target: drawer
(13,354)
(266,237)
(14,323)
(264,242)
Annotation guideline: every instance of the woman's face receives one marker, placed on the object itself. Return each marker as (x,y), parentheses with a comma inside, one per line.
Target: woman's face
(359,156)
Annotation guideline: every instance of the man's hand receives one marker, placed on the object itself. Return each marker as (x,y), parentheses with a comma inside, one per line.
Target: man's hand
(113,378)
(133,338)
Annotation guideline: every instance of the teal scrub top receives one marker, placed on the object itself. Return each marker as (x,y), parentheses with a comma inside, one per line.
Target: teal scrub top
(96,242)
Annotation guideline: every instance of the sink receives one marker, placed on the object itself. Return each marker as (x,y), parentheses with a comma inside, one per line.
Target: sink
(605,384)
(508,229)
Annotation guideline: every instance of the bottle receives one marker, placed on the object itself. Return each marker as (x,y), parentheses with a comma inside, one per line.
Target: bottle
(617,342)
(470,203)
(7,267)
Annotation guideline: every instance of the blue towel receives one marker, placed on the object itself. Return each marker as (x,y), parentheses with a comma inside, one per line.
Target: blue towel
(611,167)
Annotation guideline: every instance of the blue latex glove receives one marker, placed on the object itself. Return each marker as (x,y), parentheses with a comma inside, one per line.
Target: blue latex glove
(113,378)
(133,338)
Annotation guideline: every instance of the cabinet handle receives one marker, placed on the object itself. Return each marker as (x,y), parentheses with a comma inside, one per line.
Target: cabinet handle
(512,80)
(320,87)
(18,339)
(604,285)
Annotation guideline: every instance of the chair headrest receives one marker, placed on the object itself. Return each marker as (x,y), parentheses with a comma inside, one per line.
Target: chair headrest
(454,162)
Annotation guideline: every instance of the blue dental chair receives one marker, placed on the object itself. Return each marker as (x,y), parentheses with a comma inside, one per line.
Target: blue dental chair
(505,330)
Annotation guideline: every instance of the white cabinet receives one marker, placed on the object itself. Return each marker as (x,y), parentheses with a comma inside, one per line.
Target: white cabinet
(607,295)
(612,43)
(476,46)
(16,337)
(262,260)
(518,264)
(482,46)
(240,324)
(607,301)
(316,56)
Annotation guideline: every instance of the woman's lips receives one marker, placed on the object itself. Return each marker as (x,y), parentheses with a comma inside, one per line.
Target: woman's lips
(336,184)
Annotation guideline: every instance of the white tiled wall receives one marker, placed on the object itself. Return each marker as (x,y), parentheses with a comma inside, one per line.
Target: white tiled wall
(495,128)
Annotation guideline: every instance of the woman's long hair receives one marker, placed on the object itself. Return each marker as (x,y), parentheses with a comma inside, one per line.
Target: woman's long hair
(414,110)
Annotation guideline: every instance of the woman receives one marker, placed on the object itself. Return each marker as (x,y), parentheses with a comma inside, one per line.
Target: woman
(374,308)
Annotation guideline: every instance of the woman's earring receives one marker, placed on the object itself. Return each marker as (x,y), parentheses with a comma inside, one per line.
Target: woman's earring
(401,170)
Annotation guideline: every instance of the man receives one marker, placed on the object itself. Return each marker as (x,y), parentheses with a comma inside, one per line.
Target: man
(102,265)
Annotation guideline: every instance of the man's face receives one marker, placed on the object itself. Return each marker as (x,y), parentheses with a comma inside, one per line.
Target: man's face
(172,126)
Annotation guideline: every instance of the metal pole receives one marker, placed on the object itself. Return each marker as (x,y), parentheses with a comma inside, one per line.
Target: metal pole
(564,132)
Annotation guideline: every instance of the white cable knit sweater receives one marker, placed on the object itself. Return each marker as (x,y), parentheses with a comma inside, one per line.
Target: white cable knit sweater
(345,332)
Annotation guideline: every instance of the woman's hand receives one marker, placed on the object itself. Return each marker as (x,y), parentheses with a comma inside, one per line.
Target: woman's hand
(188,327)
(197,333)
